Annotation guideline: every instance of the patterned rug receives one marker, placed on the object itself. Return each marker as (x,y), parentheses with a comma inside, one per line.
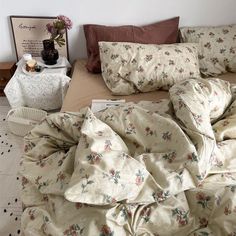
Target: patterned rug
(11,148)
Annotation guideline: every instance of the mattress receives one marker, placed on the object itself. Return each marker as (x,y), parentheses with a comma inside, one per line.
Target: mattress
(86,86)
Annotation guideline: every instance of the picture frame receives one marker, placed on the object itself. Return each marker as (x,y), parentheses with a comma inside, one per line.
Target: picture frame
(28,35)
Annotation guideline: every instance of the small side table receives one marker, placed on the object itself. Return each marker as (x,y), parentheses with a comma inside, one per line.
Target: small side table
(7,70)
(44,90)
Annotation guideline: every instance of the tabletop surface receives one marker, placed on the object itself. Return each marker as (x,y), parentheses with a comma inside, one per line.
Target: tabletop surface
(60,68)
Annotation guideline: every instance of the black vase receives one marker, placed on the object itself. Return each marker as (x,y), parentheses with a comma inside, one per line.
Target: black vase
(49,53)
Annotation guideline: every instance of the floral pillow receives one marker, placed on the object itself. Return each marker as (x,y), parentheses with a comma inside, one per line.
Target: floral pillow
(131,68)
(217,47)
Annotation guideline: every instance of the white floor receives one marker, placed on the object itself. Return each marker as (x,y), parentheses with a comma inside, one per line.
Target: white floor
(11,149)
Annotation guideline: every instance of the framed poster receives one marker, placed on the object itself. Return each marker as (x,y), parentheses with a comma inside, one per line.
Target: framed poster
(29,33)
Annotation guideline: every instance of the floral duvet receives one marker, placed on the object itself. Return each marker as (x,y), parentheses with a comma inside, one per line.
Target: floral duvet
(152,168)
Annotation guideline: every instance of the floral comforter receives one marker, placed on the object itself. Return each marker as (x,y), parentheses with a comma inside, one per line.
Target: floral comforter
(152,168)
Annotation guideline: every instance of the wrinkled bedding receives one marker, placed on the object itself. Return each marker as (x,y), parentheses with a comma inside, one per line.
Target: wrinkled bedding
(151,168)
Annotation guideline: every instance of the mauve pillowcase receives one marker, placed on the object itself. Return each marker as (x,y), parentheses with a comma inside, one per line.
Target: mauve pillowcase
(158,33)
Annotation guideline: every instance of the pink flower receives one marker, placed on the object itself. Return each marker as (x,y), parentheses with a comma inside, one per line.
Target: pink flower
(49,27)
(113,200)
(45,198)
(112,172)
(203,222)
(97,159)
(182,222)
(78,205)
(105,230)
(24,181)
(200,196)
(227,211)
(146,211)
(66,20)
(58,28)
(138,180)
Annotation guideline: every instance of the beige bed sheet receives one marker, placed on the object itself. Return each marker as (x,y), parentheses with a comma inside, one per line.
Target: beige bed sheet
(86,86)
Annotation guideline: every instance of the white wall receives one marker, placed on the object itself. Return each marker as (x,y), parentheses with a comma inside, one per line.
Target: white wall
(112,12)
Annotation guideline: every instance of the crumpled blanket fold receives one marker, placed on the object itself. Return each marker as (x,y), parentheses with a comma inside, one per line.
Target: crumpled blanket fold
(151,168)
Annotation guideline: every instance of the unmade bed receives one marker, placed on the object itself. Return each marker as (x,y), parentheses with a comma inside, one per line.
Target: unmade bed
(161,164)
(151,168)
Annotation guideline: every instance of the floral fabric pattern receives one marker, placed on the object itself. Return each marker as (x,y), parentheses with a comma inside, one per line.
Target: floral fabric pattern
(151,168)
(132,68)
(217,47)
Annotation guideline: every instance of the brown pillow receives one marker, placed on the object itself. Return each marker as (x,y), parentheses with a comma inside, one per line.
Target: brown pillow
(159,33)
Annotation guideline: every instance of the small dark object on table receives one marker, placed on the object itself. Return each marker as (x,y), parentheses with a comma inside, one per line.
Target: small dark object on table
(38,68)
(49,53)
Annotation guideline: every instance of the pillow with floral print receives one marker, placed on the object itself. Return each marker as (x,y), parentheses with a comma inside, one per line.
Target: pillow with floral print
(131,67)
(217,47)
